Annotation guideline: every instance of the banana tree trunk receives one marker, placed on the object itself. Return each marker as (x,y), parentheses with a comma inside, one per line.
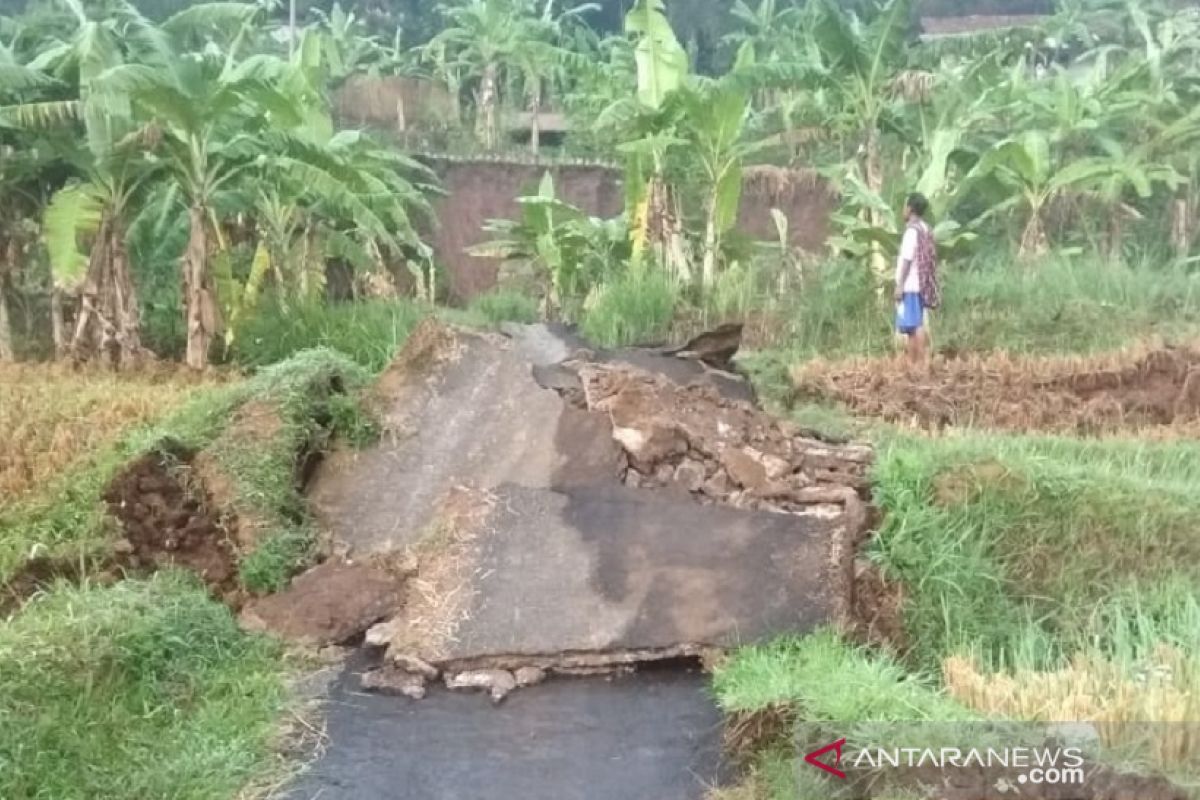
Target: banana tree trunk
(1181,226)
(535,118)
(487,106)
(6,338)
(1116,235)
(200,300)
(108,323)
(708,272)
(874,174)
(58,326)
(8,262)
(1033,239)
(664,231)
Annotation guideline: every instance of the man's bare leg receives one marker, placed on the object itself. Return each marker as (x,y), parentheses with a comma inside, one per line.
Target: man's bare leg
(912,347)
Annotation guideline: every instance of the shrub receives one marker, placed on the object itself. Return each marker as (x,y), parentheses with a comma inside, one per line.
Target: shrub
(634,308)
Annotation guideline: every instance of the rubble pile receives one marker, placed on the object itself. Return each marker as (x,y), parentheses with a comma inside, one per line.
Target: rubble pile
(722,451)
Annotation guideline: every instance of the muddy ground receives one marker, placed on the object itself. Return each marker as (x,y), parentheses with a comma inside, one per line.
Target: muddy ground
(1155,392)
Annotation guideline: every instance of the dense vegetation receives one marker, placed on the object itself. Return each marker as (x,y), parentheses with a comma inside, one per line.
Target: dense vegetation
(175,182)
(194,163)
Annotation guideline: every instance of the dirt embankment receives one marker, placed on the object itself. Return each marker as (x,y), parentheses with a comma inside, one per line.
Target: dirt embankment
(1156,392)
(170,518)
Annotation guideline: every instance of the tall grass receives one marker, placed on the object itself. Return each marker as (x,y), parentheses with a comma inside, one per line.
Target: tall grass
(636,307)
(1058,306)
(1005,541)
(828,679)
(142,689)
(369,332)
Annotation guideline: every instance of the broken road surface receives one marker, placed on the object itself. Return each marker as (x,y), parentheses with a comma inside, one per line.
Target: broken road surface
(572,511)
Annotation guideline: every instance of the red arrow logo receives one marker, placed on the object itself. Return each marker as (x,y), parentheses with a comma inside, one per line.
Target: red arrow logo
(814,758)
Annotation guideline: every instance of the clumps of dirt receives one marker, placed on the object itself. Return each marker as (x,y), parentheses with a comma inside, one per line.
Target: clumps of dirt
(170,518)
(332,603)
(689,438)
(1130,391)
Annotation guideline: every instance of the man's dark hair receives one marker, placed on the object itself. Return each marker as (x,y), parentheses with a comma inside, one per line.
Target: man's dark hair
(918,204)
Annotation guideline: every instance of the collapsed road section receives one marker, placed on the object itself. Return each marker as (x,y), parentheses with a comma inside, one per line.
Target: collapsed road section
(558,510)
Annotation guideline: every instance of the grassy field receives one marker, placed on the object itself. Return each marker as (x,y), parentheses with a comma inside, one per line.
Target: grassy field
(147,687)
(52,416)
(1045,578)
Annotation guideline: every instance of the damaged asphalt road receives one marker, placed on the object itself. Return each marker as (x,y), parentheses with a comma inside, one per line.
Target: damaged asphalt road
(651,736)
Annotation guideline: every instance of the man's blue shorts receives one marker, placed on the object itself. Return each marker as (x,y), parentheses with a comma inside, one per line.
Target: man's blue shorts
(910,313)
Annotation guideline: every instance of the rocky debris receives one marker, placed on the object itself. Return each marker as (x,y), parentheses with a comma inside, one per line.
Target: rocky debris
(497,682)
(391,680)
(721,450)
(329,604)
(529,676)
(381,634)
(415,666)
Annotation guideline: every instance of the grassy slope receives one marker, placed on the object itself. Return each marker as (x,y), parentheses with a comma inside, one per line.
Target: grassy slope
(1037,545)
(147,688)
(144,689)
(68,519)
(1068,564)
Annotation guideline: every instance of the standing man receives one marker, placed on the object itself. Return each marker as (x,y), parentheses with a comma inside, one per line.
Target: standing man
(917,289)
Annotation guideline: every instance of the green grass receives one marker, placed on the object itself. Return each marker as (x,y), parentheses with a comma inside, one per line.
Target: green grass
(144,689)
(1056,307)
(827,679)
(147,688)
(1005,543)
(68,520)
(369,332)
(635,308)
(504,305)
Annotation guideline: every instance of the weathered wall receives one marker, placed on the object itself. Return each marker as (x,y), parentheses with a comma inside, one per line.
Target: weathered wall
(476,192)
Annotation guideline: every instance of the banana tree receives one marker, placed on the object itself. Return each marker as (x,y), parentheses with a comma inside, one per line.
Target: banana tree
(863,60)
(1024,165)
(713,123)
(97,206)
(649,121)
(568,250)
(210,114)
(483,37)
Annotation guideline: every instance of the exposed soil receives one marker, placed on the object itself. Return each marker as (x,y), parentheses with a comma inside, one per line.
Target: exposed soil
(330,604)
(170,518)
(1159,389)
